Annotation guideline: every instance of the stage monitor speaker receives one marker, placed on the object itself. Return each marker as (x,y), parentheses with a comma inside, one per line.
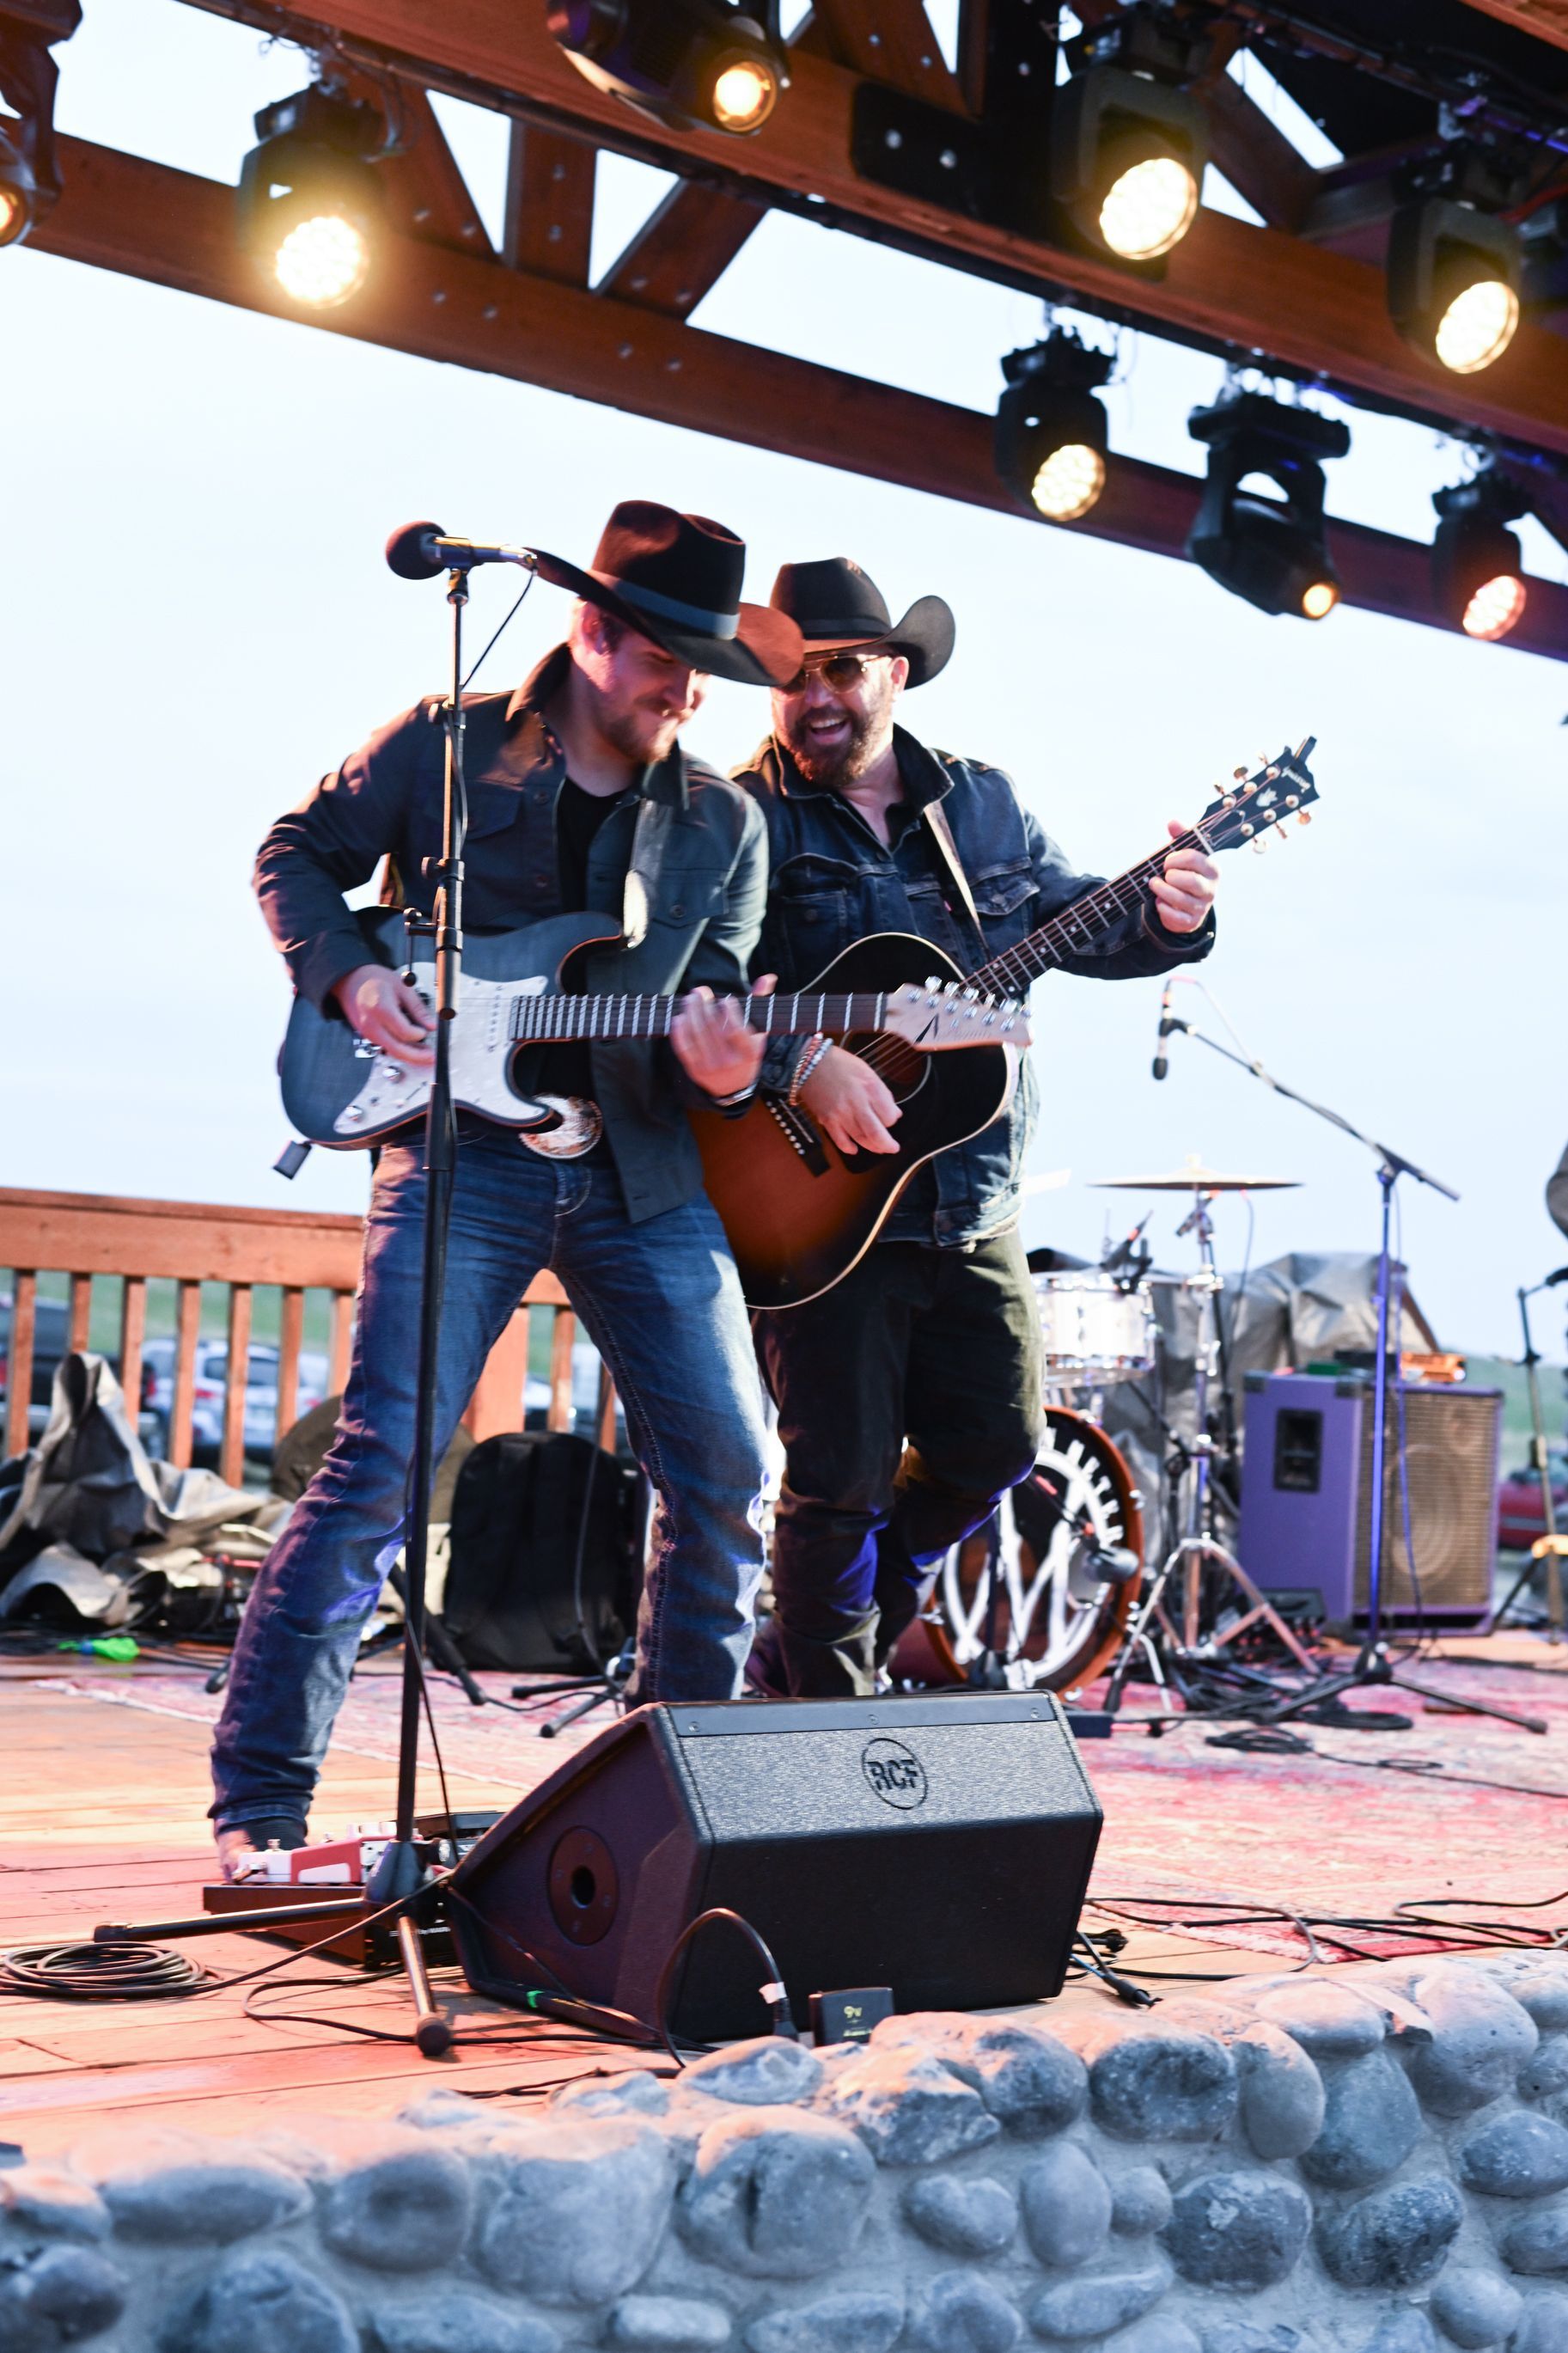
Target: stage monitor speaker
(1306,1494)
(939,1845)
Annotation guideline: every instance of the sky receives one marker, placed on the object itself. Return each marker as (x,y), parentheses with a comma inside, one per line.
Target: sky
(197,622)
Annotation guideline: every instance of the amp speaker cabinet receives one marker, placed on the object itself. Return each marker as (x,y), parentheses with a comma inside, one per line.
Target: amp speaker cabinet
(939,1845)
(1306,1496)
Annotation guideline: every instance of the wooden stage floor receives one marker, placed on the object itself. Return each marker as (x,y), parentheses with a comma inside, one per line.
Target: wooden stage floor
(102,1817)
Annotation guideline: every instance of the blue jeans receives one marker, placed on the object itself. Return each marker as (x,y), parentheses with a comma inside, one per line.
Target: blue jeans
(661,1301)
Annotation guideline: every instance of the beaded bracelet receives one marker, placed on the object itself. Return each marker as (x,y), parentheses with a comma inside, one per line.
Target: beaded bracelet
(811,1054)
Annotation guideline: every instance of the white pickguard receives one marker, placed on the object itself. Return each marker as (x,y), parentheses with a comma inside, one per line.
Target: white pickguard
(481,1048)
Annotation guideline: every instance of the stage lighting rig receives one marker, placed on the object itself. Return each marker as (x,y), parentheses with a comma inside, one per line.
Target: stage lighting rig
(1051,432)
(1478,571)
(1272,553)
(698,65)
(311,205)
(1454,275)
(29,177)
(1128,143)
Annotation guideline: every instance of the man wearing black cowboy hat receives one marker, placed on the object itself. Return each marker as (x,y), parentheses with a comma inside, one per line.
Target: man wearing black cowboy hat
(908,1394)
(579,797)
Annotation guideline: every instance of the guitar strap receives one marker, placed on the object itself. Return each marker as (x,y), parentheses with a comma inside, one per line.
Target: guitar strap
(941,834)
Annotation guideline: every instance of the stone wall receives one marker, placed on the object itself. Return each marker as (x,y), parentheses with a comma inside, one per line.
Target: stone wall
(1372,2163)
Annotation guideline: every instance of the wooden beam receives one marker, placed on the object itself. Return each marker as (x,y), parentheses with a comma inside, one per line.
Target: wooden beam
(231,1456)
(121,212)
(889,41)
(549,204)
(426,193)
(19,1357)
(682,248)
(1229,283)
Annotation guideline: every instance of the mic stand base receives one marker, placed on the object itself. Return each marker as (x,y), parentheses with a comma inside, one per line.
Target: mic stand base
(1374,1670)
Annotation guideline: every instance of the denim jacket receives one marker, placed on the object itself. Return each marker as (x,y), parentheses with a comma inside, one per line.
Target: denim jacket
(680,863)
(832,881)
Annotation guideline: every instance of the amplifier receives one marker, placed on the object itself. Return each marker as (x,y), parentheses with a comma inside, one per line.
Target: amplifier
(938,1845)
(1306,1494)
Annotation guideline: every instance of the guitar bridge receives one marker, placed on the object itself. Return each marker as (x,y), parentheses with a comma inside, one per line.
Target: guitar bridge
(800,1133)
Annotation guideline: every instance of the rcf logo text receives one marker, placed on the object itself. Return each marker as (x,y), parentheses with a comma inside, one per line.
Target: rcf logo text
(895,1773)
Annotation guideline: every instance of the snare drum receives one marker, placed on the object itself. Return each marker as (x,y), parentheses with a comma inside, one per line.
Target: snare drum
(1093,1330)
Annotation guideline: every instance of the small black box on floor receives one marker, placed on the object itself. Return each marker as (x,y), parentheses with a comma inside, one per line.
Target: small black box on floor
(851,2015)
(939,1845)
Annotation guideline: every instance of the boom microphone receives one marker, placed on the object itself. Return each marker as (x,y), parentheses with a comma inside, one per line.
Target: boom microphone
(420,549)
(1161,1060)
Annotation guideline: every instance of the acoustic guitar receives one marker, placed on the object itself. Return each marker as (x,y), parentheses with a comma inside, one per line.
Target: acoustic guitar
(799,1213)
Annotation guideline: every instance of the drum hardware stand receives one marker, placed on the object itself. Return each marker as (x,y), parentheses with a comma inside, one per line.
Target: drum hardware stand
(1551,1546)
(1373,1664)
(1200,1546)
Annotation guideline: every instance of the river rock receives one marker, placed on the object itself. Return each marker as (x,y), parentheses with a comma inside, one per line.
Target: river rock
(1095,2306)
(577,2209)
(1032,2083)
(48,2198)
(1140,2202)
(1475,2307)
(963,2218)
(211,2202)
(1537,2243)
(1396,2238)
(1481,2040)
(1330,2022)
(909,2108)
(261,2301)
(1544,2327)
(855,2322)
(58,2298)
(1066,2204)
(958,2312)
(1238,2229)
(778,2194)
(409,2212)
(1174,2086)
(1372,2121)
(1516,2156)
(770,2072)
(668,2323)
(1547,2072)
(1282,2095)
(453,2321)
(1409,2331)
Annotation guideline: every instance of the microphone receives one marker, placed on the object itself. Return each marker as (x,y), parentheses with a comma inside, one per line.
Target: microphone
(420,549)
(1161,1060)
(1554,1280)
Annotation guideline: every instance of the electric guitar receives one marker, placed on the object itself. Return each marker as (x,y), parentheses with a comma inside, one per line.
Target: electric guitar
(800,1214)
(517,994)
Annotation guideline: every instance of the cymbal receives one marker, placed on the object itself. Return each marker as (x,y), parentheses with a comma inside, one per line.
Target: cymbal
(1194,1178)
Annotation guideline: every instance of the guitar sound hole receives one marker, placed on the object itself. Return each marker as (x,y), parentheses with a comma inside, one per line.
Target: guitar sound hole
(901,1069)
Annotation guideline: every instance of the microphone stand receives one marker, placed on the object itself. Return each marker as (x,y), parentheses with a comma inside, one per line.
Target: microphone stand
(1373,1665)
(1551,1545)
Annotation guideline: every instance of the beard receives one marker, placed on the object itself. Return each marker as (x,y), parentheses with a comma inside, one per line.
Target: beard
(639,732)
(830,767)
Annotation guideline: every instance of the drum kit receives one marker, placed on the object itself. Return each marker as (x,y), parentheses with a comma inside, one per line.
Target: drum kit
(1057,1590)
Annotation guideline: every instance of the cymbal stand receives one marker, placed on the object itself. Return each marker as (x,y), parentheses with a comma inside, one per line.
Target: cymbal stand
(1200,1547)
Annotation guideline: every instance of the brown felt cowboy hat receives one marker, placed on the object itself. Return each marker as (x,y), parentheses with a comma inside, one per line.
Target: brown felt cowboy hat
(838,608)
(677,577)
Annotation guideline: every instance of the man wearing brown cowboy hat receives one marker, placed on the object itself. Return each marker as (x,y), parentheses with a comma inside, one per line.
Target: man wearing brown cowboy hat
(579,797)
(908,1394)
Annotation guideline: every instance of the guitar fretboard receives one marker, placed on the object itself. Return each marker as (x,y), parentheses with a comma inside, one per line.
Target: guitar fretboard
(542,1020)
(1080,925)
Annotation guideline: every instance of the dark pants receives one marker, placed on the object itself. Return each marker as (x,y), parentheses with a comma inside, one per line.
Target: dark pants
(908,1400)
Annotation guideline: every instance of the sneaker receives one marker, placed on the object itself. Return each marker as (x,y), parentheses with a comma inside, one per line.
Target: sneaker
(239,1848)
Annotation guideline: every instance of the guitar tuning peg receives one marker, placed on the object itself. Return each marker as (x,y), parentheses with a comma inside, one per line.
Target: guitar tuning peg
(1261,844)
(1239,773)
(1304,817)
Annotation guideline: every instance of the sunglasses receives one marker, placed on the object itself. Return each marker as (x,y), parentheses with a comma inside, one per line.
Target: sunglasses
(840,671)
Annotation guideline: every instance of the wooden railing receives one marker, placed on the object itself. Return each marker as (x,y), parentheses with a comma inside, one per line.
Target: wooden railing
(86,1235)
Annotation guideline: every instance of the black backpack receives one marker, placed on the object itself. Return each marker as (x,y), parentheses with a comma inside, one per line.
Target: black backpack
(515,1597)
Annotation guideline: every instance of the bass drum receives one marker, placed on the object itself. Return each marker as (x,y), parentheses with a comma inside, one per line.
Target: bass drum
(1055,1623)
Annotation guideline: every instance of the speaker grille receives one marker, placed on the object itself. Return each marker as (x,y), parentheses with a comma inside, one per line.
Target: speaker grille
(1451,1451)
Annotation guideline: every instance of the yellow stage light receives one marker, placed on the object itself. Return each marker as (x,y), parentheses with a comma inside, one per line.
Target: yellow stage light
(1319,600)
(1149,209)
(1068,483)
(745,92)
(1495,608)
(1477,326)
(322,260)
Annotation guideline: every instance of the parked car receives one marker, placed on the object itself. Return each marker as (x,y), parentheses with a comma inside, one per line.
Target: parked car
(1519,1518)
(208,1395)
(51,1336)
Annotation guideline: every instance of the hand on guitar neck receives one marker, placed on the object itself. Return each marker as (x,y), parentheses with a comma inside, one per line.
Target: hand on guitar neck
(714,1044)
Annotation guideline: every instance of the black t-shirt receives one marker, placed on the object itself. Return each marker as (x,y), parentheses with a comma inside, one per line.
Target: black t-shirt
(566,1070)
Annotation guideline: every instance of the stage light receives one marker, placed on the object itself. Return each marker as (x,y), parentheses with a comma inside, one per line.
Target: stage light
(17,192)
(699,65)
(1127,161)
(1272,552)
(309,202)
(1478,572)
(1051,434)
(1453,282)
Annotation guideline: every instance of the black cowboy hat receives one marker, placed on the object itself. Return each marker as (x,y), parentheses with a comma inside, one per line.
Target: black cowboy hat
(837,606)
(677,577)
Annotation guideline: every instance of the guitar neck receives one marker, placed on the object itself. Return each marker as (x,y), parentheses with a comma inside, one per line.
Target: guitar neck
(561,1021)
(1078,927)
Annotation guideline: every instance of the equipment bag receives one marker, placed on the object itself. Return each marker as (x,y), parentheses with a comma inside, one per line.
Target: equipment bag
(516,1596)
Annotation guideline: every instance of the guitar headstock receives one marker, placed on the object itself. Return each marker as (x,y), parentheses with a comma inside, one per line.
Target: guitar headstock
(1263,802)
(939,1016)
